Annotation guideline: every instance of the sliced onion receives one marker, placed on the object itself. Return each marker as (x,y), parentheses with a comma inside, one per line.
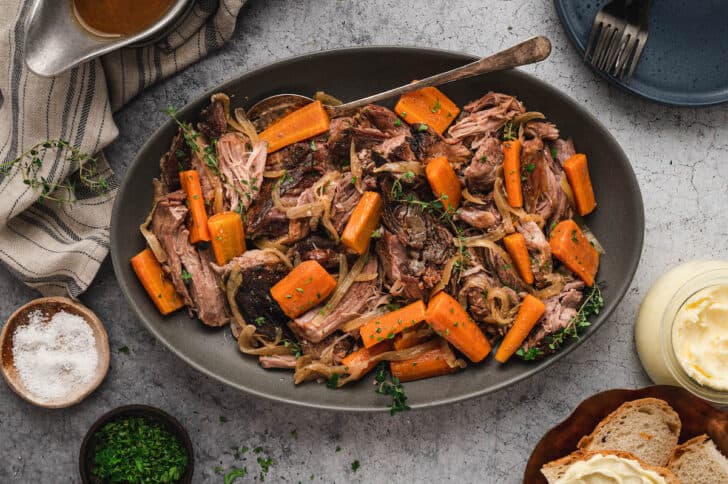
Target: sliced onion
(402,167)
(245,126)
(357,323)
(342,286)
(366,277)
(144,228)
(564,183)
(471,198)
(446,275)
(279,250)
(326,197)
(275,195)
(449,356)
(274,173)
(592,239)
(556,285)
(526,117)
(313,209)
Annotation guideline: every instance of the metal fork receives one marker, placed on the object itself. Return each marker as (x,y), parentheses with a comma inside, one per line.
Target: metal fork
(618,36)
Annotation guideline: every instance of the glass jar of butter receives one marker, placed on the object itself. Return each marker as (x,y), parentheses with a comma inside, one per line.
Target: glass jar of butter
(681,331)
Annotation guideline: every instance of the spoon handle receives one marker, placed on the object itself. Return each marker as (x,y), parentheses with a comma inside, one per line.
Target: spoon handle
(528,52)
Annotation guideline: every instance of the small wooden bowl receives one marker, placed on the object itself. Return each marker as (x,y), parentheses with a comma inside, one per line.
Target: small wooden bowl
(171,424)
(697,417)
(50,306)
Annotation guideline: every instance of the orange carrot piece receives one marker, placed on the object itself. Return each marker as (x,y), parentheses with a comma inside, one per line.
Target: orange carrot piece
(364,219)
(361,359)
(299,125)
(412,337)
(226,236)
(577,172)
(528,315)
(427,106)
(426,365)
(306,286)
(448,318)
(573,249)
(190,181)
(160,289)
(512,172)
(516,247)
(388,325)
(444,182)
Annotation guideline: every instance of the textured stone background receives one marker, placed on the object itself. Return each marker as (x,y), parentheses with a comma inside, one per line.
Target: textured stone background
(678,155)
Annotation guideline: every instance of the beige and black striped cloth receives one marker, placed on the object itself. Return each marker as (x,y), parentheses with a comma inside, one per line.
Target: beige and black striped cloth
(58,248)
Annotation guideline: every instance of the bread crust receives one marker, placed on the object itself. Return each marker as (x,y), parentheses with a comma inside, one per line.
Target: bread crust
(587,440)
(681,449)
(582,455)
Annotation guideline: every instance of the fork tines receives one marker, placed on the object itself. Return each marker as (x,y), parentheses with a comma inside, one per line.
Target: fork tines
(617,38)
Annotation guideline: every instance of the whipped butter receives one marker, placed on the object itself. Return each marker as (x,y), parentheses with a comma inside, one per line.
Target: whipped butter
(700,337)
(609,469)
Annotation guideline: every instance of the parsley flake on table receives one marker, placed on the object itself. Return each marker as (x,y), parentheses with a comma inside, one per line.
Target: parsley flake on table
(355,465)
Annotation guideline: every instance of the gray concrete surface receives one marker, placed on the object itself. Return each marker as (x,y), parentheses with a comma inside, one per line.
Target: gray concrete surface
(679,158)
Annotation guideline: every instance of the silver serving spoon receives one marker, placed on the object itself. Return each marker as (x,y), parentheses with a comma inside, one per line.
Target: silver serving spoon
(533,50)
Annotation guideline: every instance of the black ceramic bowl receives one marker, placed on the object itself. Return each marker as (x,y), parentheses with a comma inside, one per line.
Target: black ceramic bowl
(350,74)
(169,423)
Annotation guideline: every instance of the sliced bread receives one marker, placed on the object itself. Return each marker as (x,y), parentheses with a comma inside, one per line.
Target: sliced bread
(698,461)
(555,470)
(648,428)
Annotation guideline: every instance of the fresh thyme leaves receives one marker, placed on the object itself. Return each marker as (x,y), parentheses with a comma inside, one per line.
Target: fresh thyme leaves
(377,234)
(554,152)
(137,450)
(124,349)
(591,306)
(509,131)
(264,463)
(186,276)
(190,135)
(436,107)
(259,321)
(422,127)
(393,388)
(86,170)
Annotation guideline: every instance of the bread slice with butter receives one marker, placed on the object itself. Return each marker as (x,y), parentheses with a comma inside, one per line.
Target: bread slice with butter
(648,428)
(698,461)
(581,466)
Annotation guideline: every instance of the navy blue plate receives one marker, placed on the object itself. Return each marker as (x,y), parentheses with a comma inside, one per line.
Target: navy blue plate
(684,60)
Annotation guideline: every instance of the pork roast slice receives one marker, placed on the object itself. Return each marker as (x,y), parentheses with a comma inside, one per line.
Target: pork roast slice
(241,168)
(481,172)
(560,310)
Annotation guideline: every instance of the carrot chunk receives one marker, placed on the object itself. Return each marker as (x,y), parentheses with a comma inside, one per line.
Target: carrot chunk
(512,172)
(426,365)
(388,325)
(299,125)
(428,106)
(226,236)
(160,289)
(444,182)
(573,249)
(360,361)
(528,315)
(306,286)
(412,337)
(577,172)
(448,318)
(364,219)
(516,246)
(190,181)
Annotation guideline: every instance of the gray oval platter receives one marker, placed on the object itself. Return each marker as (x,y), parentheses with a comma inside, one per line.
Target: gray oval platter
(349,74)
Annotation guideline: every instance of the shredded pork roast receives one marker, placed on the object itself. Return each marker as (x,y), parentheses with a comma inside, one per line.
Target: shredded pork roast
(296,202)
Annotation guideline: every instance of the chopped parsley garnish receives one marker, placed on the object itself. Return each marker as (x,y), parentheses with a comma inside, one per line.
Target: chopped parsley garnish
(422,127)
(234,474)
(355,465)
(186,276)
(530,167)
(377,233)
(554,152)
(135,449)
(436,107)
(393,388)
(260,321)
(333,382)
(573,237)
(124,349)
(313,146)
(398,122)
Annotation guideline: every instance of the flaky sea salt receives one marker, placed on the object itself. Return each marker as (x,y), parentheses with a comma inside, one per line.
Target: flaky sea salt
(54,357)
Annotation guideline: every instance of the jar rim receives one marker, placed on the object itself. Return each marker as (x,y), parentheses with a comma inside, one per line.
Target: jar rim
(697,283)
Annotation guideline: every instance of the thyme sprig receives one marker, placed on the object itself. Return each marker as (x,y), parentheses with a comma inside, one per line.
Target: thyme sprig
(591,306)
(393,388)
(85,166)
(189,135)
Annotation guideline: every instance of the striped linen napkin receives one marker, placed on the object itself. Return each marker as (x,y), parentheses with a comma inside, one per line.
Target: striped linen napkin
(54,247)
